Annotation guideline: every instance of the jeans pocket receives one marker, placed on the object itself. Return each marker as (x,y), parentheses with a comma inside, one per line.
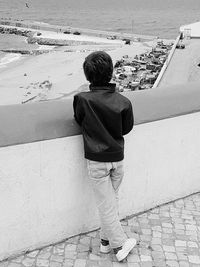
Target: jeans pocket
(97,169)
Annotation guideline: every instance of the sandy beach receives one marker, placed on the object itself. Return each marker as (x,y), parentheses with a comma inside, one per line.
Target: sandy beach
(59,73)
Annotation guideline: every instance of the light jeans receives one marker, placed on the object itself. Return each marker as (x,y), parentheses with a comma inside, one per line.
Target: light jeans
(106,178)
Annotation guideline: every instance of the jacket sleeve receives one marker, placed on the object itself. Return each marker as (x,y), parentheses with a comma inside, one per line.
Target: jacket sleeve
(78,110)
(127,119)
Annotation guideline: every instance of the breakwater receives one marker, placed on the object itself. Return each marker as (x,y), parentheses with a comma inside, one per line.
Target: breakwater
(36,26)
(17,31)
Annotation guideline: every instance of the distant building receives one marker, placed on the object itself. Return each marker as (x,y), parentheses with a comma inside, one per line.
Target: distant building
(191,30)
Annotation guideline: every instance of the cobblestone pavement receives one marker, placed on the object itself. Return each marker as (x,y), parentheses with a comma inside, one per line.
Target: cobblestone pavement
(168,236)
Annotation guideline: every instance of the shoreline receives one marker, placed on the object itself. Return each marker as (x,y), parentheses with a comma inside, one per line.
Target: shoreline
(56,73)
(37,26)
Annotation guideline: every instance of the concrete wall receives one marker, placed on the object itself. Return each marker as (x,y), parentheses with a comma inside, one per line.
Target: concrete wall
(45,195)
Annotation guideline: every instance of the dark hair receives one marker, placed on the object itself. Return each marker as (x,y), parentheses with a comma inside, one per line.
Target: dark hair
(98,68)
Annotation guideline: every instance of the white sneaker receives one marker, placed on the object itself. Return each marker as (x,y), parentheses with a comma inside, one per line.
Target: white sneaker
(126,248)
(105,249)
(105,246)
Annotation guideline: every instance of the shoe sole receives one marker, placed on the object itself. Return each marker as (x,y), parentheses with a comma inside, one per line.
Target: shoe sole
(125,254)
(104,251)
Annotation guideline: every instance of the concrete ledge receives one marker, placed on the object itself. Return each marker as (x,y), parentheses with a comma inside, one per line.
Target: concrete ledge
(45,195)
(54,119)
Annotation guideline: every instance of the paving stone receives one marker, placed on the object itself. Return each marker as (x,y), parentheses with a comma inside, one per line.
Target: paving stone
(46,249)
(171,256)
(157,234)
(194,259)
(85,240)
(70,255)
(182,237)
(120,264)
(133,258)
(68,263)
(168,236)
(156,241)
(182,256)
(18,259)
(144,251)
(14,264)
(32,254)
(180,243)
(157,228)
(146,258)
(181,249)
(73,240)
(184,264)
(79,263)
(172,263)
(70,247)
(179,232)
(44,255)
(94,250)
(124,222)
(145,237)
(146,231)
(167,225)
(191,227)
(157,255)
(95,242)
(28,262)
(94,257)
(192,244)
(55,264)
(168,248)
(157,248)
(179,226)
(193,251)
(146,264)
(167,230)
(168,242)
(57,258)
(42,263)
(82,255)
(154,216)
(130,264)
(58,250)
(106,257)
(105,264)
(90,263)
(160,263)
(60,245)
(91,234)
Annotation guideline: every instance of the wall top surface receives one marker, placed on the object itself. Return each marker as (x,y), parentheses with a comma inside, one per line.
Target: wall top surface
(54,119)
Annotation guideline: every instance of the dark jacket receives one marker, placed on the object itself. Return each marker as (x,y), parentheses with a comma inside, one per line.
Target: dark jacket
(104,116)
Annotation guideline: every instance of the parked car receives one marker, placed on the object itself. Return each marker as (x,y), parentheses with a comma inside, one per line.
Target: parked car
(180,46)
(67,32)
(127,41)
(112,37)
(76,33)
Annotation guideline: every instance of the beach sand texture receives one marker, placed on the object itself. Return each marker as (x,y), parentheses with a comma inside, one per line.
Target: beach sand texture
(58,73)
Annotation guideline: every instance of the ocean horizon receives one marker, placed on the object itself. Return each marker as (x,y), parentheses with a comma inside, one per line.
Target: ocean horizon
(160,18)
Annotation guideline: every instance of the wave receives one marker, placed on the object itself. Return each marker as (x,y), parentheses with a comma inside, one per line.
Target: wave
(8,58)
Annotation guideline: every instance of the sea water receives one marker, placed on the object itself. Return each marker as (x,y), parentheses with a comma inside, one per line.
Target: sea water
(151,17)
